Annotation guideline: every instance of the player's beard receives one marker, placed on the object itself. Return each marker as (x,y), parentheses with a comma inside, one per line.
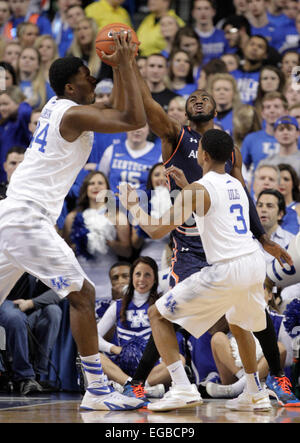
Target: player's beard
(201,118)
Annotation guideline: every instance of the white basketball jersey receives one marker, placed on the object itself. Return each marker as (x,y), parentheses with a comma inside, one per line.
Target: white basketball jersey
(51,164)
(224,230)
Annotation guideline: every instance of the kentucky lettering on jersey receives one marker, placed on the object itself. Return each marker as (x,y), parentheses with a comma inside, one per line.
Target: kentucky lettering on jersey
(129,165)
(137,322)
(134,170)
(257,146)
(213,44)
(247,83)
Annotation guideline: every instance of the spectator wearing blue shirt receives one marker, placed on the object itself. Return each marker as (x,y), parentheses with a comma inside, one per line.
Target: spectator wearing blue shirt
(32,82)
(103,93)
(289,60)
(286,131)
(15,115)
(215,66)
(267,178)
(237,31)
(260,24)
(187,40)
(260,144)
(271,79)
(276,14)
(232,61)
(27,34)
(294,111)
(20,14)
(130,161)
(47,48)
(11,53)
(224,90)
(212,39)
(289,187)
(247,76)
(290,9)
(181,73)
(73,14)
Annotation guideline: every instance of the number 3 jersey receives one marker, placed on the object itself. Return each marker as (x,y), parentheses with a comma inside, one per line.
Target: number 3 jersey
(51,163)
(225,229)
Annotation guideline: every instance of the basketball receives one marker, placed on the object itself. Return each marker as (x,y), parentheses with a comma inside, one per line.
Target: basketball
(105,42)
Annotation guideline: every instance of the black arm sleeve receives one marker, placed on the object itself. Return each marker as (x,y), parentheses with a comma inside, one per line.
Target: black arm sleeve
(255,224)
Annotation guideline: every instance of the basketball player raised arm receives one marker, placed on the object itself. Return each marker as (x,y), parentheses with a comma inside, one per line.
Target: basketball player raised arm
(199,103)
(159,122)
(93,117)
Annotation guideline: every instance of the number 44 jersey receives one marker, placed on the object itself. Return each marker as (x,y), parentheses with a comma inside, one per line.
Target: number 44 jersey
(225,230)
(51,163)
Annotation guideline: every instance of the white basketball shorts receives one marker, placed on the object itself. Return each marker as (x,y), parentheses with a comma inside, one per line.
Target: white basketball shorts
(30,243)
(233,287)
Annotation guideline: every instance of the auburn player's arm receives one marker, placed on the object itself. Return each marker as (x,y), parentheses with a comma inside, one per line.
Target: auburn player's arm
(186,202)
(159,122)
(255,225)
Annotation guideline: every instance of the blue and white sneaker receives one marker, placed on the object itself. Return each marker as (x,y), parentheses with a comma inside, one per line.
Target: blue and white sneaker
(136,391)
(99,396)
(280,387)
(212,377)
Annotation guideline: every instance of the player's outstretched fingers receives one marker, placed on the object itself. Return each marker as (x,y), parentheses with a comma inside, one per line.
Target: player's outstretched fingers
(116,38)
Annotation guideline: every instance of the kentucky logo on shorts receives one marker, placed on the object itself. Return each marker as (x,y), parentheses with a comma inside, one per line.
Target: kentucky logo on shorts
(171,304)
(60,282)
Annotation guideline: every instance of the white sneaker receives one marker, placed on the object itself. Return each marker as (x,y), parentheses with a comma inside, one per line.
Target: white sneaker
(177,397)
(250,402)
(219,391)
(102,397)
(156,391)
(116,386)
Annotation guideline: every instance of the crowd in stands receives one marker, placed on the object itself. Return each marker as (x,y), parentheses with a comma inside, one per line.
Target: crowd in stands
(249,63)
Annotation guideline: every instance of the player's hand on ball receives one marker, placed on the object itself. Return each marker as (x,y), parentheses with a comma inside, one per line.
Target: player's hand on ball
(124,49)
(278,252)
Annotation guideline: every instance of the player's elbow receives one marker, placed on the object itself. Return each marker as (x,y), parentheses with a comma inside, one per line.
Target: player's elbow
(134,121)
(139,121)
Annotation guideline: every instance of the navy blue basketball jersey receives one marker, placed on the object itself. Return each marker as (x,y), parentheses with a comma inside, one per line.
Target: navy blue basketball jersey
(188,254)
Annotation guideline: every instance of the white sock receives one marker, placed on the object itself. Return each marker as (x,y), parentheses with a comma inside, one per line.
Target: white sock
(92,367)
(238,387)
(178,373)
(252,383)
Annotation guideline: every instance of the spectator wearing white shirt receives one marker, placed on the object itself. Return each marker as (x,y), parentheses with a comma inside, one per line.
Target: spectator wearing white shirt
(270,207)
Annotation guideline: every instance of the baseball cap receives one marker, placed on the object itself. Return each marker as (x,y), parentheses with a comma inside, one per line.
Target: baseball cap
(288,120)
(104,86)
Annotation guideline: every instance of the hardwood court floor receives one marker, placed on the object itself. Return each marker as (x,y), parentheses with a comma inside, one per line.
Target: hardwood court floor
(64,408)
